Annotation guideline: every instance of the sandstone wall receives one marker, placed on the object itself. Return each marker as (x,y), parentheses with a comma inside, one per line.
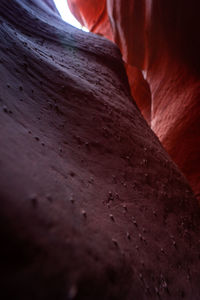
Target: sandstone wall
(92,206)
(161,41)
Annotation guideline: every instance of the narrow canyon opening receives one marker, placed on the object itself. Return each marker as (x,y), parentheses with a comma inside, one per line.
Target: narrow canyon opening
(99,166)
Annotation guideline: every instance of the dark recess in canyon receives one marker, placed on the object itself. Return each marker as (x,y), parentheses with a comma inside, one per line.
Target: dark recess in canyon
(92,204)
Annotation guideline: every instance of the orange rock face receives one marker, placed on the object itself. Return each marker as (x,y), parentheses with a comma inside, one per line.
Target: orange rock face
(93,15)
(161,39)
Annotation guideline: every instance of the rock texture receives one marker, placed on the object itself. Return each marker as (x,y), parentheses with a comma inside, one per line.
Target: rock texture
(93,15)
(92,207)
(161,39)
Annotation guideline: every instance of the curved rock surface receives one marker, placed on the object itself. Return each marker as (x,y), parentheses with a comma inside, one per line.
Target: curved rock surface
(161,39)
(93,15)
(92,207)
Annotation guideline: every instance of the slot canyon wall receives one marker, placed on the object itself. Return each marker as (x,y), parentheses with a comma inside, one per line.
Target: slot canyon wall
(92,206)
(159,39)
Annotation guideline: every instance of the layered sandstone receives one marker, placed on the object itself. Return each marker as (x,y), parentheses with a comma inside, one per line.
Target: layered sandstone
(92,207)
(161,40)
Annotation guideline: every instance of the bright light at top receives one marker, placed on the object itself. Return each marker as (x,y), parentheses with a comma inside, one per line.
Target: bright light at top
(66,14)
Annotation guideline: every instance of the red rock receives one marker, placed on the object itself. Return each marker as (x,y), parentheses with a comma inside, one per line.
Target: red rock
(92,207)
(93,15)
(162,40)
(140,91)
